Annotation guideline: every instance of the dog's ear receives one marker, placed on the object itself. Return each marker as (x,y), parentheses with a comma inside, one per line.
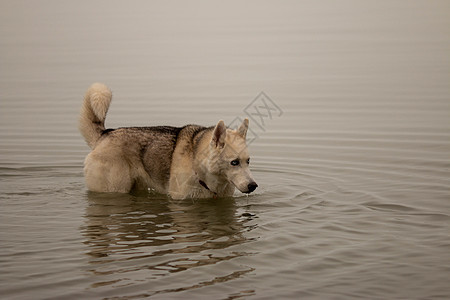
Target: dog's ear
(242,130)
(219,134)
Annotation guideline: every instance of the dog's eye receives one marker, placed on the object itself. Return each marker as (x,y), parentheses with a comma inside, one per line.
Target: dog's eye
(235,162)
(248,161)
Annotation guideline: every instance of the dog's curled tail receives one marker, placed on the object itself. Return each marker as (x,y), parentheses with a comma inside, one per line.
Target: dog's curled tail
(93,112)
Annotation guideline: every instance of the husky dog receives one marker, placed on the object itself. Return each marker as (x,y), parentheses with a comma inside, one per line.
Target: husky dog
(184,162)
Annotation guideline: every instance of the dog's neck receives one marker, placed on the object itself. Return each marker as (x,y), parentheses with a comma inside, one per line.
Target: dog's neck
(218,189)
(203,183)
(200,173)
(213,185)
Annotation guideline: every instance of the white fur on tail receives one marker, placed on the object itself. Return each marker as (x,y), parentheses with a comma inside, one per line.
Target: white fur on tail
(93,112)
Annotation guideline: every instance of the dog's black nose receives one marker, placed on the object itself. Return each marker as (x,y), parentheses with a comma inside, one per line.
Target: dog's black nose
(252,186)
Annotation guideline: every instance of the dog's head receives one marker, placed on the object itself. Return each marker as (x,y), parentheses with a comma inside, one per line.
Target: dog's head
(229,157)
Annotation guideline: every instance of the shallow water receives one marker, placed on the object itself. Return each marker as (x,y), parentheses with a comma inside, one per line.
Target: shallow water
(351,154)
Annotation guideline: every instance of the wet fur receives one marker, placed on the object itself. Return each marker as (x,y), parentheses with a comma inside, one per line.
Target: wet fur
(184,162)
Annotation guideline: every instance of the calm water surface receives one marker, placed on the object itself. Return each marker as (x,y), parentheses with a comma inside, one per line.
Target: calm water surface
(353,163)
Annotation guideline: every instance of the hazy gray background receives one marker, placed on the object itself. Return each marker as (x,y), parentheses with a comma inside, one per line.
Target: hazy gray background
(354,175)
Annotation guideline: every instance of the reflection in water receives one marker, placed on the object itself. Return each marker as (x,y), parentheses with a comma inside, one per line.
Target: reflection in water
(152,236)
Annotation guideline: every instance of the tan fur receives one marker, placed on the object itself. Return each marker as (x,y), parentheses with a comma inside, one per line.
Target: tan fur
(186,162)
(93,112)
